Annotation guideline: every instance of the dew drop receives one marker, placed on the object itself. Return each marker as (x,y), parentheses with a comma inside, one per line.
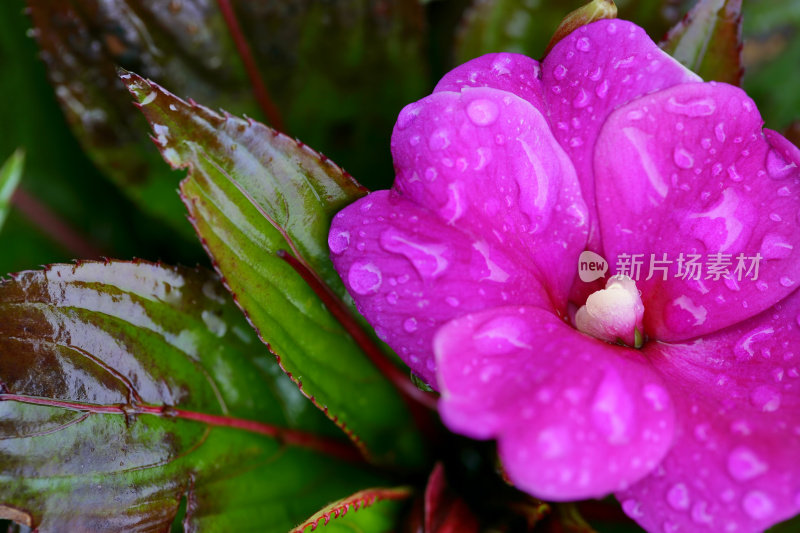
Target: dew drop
(339,241)
(560,72)
(766,399)
(775,246)
(683,159)
(581,100)
(719,132)
(583,44)
(482,112)
(364,278)
(678,497)
(410,325)
(777,166)
(602,89)
(744,464)
(758,505)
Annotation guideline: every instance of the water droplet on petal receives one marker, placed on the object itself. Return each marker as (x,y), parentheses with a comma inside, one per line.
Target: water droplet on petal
(775,246)
(683,159)
(766,399)
(482,112)
(700,513)
(502,335)
(744,464)
(693,108)
(410,325)
(678,497)
(407,115)
(439,140)
(339,241)
(719,132)
(560,72)
(758,505)
(583,44)
(602,89)
(364,278)
(581,100)
(612,409)
(656,396)
(777,167)
(428,258)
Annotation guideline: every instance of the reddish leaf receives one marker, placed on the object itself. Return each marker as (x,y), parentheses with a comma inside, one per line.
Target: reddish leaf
(445,511)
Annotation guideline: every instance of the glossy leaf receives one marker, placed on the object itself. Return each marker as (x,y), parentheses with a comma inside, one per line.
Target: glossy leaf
(10,174)
(59,174)
(338,72)
(81,43)
(127,387)
(709,40)
(367,511)
(253,195)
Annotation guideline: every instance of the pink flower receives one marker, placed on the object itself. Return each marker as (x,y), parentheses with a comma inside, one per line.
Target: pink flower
(467,268)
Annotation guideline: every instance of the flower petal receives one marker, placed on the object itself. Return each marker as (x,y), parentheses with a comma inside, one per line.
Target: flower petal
(409,273)
(734,465)
(574,417)
(688,171)
(484,161)
(514,73)
(594,70)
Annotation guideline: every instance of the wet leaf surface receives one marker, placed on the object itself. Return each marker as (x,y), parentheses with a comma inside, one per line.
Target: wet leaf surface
(129,386)
(255,195)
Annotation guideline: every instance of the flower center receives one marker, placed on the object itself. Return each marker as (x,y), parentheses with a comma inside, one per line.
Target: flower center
(613,314)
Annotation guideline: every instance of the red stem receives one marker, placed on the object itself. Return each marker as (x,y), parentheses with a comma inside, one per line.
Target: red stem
(259,87)
(335,448)
(397,377)
(54,227)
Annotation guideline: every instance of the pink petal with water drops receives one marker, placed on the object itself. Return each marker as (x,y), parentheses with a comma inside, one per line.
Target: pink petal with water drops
(734,465)
(514,73)
(594,70)
(688,171)
(409,273)
(484,161)
(574,417)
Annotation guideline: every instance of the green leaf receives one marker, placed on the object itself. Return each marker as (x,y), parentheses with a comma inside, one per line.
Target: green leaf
(10,174)
(127,387)
(338,72)
(709,40)
(184,44)
(254,195)
(57,172)
(367,511)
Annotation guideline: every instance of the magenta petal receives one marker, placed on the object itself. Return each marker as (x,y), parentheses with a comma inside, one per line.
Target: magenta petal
(409,273)
(484,161)
(687,171)
(514,73)
(574,417)
(735,464)
(591,72)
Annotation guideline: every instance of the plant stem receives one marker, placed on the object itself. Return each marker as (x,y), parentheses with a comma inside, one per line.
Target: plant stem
(260,91)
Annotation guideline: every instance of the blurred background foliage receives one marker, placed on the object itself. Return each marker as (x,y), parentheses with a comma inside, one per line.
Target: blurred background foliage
(332,73)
